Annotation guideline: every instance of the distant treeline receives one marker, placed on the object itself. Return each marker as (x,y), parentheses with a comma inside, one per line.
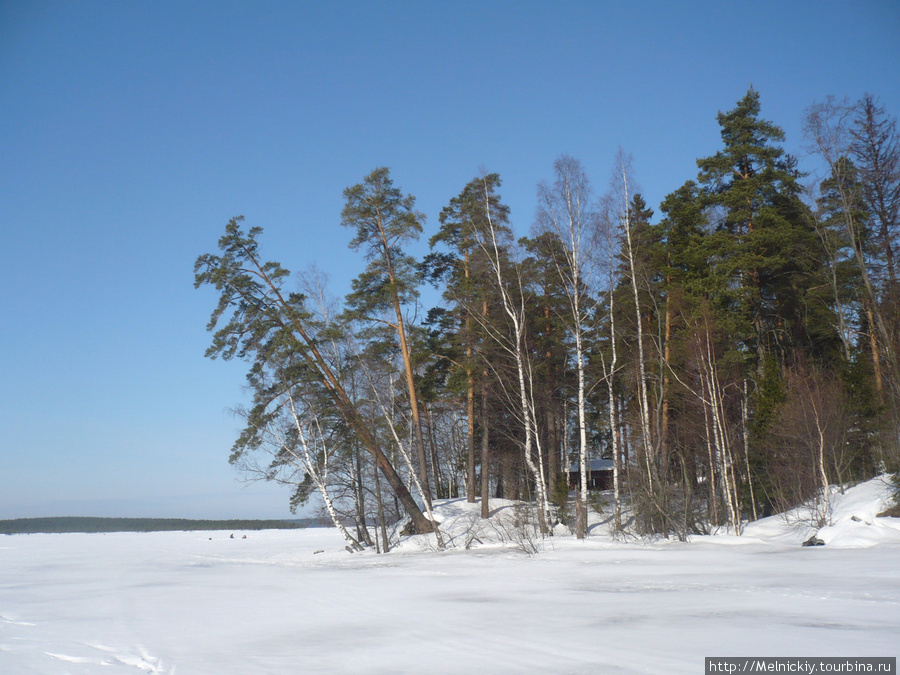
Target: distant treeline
(88,525)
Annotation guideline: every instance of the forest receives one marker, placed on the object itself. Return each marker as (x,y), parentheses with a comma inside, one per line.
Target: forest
(731,352)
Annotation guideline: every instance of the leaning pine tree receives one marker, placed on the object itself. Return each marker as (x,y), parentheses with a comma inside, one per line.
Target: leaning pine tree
(384,219)
(264,323)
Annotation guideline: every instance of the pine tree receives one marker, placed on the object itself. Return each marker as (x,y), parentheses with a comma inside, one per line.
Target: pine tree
(768,250)
(463,265)
(384,220)
(684,282)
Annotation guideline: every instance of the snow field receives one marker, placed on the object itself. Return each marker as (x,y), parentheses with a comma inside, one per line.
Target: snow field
(178,602)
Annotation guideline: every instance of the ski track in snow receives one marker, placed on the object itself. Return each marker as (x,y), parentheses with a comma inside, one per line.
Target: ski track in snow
(142,661)
(12,622)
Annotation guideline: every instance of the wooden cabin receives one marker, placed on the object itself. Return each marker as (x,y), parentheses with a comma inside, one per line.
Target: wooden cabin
(600,475)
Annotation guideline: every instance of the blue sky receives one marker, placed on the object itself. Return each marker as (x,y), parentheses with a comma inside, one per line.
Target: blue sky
(130,132)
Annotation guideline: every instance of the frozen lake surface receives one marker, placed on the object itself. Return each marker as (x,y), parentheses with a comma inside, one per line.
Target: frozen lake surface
(180,602)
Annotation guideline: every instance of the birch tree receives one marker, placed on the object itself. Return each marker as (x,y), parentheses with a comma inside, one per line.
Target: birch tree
(718,429)
(622,189)
(606,236)
(508,285)
(566,208)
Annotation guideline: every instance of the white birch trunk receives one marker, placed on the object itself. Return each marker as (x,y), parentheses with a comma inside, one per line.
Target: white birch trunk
(387,414)
(823,474)
(720,435)
(745,433)
(412,472)
(713,478)
(609,376)
(527,408)
(642,369)
(824,477)
(582,439)
(319,477)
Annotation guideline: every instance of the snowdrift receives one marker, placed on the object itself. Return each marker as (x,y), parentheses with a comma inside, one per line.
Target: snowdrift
(851,522)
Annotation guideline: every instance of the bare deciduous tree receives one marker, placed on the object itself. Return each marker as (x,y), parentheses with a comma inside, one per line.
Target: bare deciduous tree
(509,287)
(566,209)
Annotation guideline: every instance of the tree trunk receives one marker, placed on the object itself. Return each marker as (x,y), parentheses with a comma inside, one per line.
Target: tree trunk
(876,352)
(421,524)
(667,360)
(470,432)
(745,434)
(485,456)
(580,516)
(385,543)
(582,435)
(362,528)
(553,448)
(643,402)
(720,435)
(435,461)
(610,390)
(413,402)
(470,388)
(407,364)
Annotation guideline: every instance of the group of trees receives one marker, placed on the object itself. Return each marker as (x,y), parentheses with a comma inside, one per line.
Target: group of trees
(732,357)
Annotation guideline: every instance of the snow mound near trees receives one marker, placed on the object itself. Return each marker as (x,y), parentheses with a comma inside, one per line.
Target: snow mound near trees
(851,520)
(854,521)
(511,524)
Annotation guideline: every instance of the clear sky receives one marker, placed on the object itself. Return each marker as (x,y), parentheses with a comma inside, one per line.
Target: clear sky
(130,132)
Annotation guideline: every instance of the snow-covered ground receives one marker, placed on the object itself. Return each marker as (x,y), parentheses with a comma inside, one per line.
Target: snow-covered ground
(204,603)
